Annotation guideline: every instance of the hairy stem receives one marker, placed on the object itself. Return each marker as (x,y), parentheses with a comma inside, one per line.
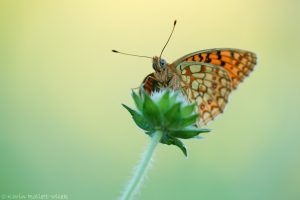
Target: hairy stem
(141,169)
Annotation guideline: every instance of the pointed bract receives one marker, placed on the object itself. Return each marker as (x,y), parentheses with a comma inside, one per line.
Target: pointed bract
(188,132)
(164,102)
(139,119)
(138,102)
(151,111)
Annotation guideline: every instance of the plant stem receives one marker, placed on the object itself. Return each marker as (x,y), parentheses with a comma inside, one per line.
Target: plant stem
(141,169)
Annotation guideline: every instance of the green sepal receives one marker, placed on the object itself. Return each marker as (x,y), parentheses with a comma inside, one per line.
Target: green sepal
(173,98)
(187,110)
(139,119)
(137,100)
(164,102)
(172,116)
(181,146)
(188,133)
(189,120)
(151,111)
(169,140)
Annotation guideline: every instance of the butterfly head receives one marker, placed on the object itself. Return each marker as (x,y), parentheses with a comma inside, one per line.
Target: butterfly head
(159,64)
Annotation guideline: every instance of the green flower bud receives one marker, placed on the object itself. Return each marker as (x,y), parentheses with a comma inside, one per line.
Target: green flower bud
(167,111)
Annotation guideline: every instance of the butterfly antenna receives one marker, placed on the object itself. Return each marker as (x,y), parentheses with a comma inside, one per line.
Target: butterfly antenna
(128,54)
(168,38)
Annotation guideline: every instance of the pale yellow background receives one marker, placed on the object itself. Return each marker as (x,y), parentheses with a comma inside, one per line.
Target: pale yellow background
(62,127)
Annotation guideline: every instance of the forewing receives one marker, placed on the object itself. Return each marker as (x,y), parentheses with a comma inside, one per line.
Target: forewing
(238,63)
(206,84)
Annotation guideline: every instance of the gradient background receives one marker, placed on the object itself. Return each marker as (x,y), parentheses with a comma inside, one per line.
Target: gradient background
(62,127)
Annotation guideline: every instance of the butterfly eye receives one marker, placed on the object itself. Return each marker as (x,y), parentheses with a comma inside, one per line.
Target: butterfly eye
(162,63)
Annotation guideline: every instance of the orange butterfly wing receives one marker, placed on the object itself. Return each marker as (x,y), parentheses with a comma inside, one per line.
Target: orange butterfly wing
(207,85)
(238,63)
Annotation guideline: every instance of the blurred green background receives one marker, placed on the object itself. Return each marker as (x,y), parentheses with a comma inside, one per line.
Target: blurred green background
(62,127)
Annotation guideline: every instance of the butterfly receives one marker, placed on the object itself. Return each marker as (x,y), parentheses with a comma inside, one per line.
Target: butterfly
(205,77)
